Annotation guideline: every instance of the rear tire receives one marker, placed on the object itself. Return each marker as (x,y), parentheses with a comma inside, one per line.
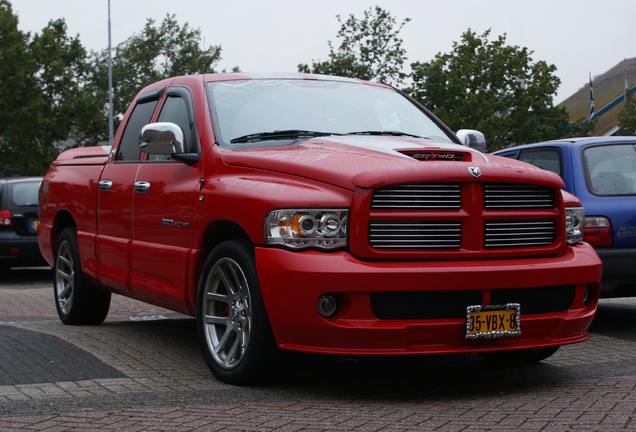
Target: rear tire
(234,332)
(77,301)
(527,356)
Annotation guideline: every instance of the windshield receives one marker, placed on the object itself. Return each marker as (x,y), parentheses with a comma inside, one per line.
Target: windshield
(611,169)
(252,110)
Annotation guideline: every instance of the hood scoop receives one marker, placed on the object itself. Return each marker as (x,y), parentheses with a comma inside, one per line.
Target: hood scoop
(437,155)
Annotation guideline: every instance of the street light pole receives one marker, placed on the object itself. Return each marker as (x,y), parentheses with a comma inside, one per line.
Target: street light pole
(110,85)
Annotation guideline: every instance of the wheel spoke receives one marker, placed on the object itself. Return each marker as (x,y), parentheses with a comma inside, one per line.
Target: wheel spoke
(64,260)
(221,345)
(244,336)
(235,352)
(212,296)
(238,286)
(214,320)
(229,284)
(66,292)
(248,307)
(64,275)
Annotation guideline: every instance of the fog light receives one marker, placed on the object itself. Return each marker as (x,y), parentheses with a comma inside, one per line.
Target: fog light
(328,305)
(586,296)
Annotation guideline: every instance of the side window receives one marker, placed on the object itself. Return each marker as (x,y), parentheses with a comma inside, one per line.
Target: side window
(129,147)
(175,111)
(509,155)
(611,169)
(548,158)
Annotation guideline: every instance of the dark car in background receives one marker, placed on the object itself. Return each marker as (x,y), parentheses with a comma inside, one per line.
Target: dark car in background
(601,172)
(19,222)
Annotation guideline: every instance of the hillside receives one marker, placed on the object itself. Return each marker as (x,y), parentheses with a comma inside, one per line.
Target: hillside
(606,88)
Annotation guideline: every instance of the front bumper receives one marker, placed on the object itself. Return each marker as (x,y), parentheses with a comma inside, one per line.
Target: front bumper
(292,282)
(619,272)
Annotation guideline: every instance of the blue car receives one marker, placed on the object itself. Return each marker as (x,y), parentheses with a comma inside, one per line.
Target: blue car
(601,172)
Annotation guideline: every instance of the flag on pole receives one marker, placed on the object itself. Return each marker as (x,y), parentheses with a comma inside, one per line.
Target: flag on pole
(591,98)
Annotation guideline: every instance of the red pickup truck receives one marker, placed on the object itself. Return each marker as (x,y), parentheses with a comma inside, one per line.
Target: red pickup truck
(316,214)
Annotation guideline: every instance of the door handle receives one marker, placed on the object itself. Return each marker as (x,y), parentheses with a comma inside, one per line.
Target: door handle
(141,186)
(105,185)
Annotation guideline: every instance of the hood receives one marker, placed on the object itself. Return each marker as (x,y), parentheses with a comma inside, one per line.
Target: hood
(372,161)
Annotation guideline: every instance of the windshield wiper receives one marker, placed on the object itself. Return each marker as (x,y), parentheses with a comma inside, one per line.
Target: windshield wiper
(279,134)
(392,133)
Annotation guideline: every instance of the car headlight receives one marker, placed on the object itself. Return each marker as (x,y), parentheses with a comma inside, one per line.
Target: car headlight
(304,228)
(574,224)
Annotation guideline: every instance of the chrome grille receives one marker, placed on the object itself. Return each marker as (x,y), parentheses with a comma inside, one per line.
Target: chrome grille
(506,234)
(417,197)
(517,196)
(415,234)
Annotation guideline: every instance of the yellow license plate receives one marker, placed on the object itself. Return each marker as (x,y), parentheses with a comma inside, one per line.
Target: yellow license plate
(492,321)
(35,224)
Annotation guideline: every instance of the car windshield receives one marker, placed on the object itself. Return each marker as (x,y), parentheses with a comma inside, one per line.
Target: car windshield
(268,110)
(611,169)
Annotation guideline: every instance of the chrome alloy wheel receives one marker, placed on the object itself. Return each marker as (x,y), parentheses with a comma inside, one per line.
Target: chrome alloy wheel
(227,308)
(64,277)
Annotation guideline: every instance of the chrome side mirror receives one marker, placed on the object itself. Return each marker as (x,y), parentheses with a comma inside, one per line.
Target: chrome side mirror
(161,139)
(473,139)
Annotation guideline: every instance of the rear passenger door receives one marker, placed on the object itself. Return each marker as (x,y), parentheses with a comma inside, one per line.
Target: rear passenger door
(115,198)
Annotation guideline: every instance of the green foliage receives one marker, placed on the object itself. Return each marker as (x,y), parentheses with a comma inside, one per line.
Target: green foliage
(45,94)
(53,96)
(18,87)
(495,88)
(370,49)
(156,53)
(627,118)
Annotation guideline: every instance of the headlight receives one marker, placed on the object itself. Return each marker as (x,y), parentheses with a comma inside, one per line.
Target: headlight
(304,228)
(574,224)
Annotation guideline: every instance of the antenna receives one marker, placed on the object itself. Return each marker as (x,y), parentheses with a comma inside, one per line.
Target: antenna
(110,84)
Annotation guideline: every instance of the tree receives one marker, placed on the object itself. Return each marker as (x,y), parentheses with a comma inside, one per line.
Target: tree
(370,49)
(44,94)
(627,118)
(17,84)
(495,88)
(156,53)
(53,96)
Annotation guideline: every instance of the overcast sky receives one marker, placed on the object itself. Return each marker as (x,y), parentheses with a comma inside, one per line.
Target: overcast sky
(577,36)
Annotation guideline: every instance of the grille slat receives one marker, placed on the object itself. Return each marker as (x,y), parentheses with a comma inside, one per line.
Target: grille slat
(519,233)
(414,235)
(417,197)
(516,196)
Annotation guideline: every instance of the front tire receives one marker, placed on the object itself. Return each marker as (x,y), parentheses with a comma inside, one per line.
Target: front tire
(77,301)
(234,332)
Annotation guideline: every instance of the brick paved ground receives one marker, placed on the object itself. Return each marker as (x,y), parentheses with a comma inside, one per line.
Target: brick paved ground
(147,374)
